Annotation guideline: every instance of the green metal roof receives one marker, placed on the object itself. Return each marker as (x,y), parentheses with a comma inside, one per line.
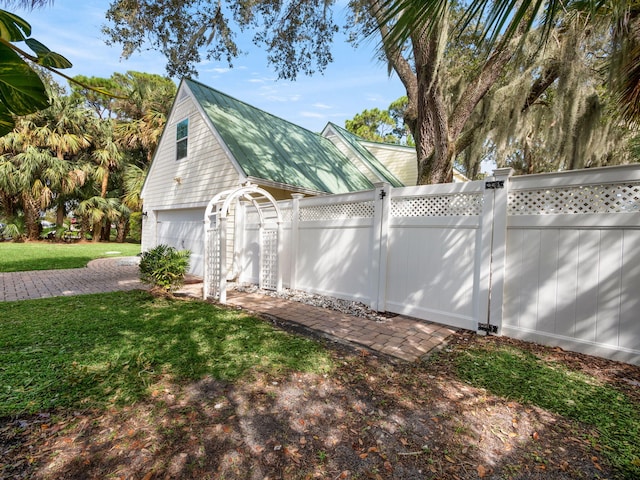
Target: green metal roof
(367,157)
(273,149)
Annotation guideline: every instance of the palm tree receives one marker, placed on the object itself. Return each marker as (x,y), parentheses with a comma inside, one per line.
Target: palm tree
(142,134)
(64,133)
(99,210)
(105,159)
(43,151)
(29,184)
(143,114)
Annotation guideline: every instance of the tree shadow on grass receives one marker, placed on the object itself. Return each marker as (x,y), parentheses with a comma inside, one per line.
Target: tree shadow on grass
(366,418)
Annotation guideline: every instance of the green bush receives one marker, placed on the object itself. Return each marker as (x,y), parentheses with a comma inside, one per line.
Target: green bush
(164,267)
(15,229)
(135,226)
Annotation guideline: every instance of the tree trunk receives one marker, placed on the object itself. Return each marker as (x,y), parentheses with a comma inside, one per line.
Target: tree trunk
(431,129)
(106,232)
(60,211)
(60,214)
(7,203)
(96,232)
(436,128)
(31,216)
(123,229)
(105,184)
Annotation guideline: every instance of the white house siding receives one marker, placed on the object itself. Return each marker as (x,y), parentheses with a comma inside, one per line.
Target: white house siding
(177,191)
(401,162)
(193,180)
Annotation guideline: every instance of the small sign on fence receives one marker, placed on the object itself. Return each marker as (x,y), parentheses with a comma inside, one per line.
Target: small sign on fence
(494,184)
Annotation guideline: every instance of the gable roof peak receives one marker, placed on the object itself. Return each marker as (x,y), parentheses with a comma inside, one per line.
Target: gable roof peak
(268,147)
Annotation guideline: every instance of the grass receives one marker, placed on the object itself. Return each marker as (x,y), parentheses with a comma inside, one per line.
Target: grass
(515,374)
(93,351)
(20,257)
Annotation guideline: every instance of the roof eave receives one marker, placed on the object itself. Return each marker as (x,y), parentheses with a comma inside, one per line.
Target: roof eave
(285,186)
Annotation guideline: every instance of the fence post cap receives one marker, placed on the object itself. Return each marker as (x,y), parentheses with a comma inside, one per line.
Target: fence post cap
(503,172)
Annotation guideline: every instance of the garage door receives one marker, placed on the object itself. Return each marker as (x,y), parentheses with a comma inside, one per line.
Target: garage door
(183,229)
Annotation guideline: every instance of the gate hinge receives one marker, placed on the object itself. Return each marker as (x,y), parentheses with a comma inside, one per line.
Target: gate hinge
(382,194)
(487,327)
(494,184)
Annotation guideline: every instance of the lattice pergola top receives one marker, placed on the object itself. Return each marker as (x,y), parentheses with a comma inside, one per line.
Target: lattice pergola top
(221,203)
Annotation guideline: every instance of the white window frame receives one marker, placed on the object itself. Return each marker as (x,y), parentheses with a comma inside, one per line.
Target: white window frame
(180,140)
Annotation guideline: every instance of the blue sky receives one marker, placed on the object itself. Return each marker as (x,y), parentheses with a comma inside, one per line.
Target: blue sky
(353,82)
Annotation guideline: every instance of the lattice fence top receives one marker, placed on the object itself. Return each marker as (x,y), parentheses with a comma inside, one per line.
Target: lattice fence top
(606,198)
(446,205)
(337,211)
(213,263)
(287,214)
(269,215)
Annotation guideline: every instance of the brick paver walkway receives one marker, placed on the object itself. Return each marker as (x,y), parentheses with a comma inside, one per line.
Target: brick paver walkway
(102,275)
(401,337)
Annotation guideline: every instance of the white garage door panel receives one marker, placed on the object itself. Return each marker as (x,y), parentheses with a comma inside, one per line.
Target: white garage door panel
(183,229)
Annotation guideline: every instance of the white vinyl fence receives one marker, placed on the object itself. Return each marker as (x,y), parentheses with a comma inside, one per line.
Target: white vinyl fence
(552,258)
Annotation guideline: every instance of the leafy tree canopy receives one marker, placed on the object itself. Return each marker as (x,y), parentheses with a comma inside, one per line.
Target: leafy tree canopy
(296,35)
(375,125)
(382,125)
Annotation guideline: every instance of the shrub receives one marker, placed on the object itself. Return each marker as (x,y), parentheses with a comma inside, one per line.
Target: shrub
(14,229)
(164,267)
(135,226)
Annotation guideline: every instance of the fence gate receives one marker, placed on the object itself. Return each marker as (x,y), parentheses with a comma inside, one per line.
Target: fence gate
(215,223)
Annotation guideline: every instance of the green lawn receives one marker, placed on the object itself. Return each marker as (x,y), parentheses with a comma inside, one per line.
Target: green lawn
(108,349)
(518,375)
(97,351)
(20,257)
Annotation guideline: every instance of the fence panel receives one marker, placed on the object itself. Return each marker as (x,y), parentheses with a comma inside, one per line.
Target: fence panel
(573,261)
(334,245)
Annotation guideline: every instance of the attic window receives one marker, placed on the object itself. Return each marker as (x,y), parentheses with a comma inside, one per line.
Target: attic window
(182,133)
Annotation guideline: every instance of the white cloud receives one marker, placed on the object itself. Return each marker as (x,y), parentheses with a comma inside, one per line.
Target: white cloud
(282,98)
(312,115)
(272,93)
(322,106)
(375,98)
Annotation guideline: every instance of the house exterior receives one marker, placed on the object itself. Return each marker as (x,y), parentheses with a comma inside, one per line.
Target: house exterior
(377,160)
(212,143)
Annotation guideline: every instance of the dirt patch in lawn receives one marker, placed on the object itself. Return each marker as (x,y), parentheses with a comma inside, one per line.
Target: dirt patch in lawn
(371,418)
